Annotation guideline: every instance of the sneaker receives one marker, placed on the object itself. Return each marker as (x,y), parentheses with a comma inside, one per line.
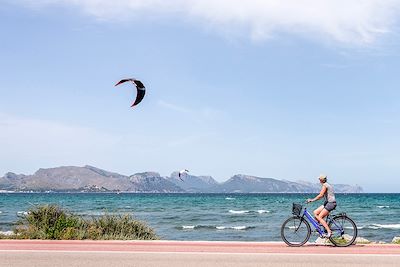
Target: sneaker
(326,235)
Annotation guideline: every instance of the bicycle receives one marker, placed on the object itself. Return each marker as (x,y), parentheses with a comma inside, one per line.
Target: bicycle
(296,230)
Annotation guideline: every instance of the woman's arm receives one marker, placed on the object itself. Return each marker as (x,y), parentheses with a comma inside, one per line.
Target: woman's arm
(320,195)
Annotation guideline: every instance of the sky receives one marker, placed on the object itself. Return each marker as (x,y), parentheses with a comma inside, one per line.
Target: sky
(281,89)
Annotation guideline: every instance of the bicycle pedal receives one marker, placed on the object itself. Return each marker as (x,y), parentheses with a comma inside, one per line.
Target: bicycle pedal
(326,236)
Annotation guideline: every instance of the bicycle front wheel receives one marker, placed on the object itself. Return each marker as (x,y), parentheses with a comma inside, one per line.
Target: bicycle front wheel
(295,231)
(344,231)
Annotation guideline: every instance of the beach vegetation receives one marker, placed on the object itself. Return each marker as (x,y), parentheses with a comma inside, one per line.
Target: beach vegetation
(53,222)
(119,227)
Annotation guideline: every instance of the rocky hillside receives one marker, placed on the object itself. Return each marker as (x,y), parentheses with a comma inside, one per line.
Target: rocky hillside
(193,184)
(86,179)
(153,182)
(91,179)
(250,184)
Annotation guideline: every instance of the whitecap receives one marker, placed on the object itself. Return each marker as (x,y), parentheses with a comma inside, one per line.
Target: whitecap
(263,211)
(7,233)
(230,198)
(239,227)
(385,226)
(239,211)
(188,226)
(22,212)
(383,207)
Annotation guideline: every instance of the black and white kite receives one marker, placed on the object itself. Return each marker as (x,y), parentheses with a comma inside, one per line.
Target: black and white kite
(141,90)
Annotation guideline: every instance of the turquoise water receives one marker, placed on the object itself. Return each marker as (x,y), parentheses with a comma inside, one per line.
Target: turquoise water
(245,217)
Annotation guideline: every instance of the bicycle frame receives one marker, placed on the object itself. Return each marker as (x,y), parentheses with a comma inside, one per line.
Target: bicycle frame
(317,225)
(311,219)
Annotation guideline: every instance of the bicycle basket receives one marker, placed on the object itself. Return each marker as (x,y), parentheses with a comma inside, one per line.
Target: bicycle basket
(296,209)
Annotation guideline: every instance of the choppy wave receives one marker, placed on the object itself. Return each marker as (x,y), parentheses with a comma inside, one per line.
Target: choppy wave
(263,211)
(239,211)
(6,233)
(376,226)
(192,227)
(212,227)
(384,226)
(240,227)
(188,226)
(383,207)
(248,211)
(292,227)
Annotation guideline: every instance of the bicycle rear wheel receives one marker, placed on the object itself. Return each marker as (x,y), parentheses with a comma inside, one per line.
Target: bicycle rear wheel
(295,231)
(344,231)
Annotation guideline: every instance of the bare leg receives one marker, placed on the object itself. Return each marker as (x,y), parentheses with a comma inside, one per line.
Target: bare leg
(321,220)
(318,211)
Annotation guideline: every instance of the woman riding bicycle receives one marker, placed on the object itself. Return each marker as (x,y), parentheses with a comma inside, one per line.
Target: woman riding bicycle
(330,203)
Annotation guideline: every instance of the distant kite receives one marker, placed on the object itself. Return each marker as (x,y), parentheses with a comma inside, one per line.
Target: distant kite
(141,90)
(181,173)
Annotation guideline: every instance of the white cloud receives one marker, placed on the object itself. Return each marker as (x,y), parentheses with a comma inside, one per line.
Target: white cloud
(357,22)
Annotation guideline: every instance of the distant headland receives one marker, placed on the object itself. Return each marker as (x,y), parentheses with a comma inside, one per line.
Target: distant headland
(92,179)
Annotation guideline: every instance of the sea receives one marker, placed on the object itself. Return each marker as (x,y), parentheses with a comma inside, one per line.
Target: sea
(225,217)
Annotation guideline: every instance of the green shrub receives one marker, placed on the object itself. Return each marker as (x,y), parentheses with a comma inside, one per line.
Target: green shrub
(121,227)
(46,222)
(51,222)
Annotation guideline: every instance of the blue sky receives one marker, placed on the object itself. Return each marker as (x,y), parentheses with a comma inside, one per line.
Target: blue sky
(283,89)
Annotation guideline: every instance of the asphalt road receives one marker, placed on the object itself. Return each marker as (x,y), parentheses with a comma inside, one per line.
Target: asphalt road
(32,253)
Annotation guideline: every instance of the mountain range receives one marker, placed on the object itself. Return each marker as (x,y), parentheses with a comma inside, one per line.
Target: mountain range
(92,179)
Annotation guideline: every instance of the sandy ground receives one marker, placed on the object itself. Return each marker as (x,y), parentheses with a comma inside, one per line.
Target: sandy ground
(183,253)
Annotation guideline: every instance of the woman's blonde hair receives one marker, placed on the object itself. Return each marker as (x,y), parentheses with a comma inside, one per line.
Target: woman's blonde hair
(323,178)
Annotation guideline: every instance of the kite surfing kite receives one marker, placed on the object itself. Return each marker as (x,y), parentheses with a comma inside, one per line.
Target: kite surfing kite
(141,90)
(182,172)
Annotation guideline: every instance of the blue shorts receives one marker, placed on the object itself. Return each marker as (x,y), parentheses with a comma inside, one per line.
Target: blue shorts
(329,206)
